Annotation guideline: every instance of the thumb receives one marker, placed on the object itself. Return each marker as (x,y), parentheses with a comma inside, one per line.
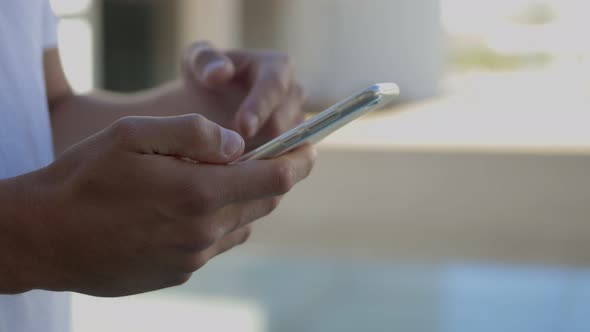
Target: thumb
(207,65)
(189,136)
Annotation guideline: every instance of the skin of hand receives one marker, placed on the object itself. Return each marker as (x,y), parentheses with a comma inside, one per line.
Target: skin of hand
(252,92)
(140,206)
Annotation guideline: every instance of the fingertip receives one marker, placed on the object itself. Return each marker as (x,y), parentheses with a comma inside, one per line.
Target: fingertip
(251,124)
(232,144)
(217,72)
(310,150)
(247,119)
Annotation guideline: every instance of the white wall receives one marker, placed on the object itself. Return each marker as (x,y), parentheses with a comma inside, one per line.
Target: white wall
(342,45)
(218,21)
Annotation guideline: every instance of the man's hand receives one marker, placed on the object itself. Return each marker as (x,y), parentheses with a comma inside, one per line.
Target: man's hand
(252,92)
(144,203)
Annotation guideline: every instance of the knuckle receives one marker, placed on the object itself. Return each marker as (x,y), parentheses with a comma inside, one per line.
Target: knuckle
(196,199)
(276,80)
(213,234)
(205,241)
(246,235)
(284,176)
(309,165)
(262,106)
(311,161)
(181,279)
(268,206)
(262,209)
(193,262)
(124,129)
(198,123)
(273,204)
(199,239)
(206,198)
(299,92)
(203,131)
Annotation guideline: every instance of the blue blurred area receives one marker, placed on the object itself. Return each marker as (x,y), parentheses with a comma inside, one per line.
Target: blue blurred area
(318,295)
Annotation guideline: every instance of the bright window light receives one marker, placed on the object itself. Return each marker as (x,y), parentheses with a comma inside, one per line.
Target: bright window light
(70,7)
(76,50)
(162,313)
(520,26)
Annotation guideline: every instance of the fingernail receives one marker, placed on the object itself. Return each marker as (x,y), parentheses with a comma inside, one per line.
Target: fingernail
(231,143)
(251,124)
(213,66)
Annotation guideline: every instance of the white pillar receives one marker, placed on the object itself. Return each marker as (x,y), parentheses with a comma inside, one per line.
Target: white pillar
(218,21)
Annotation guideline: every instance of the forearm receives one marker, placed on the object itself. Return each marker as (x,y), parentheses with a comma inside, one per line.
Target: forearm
(77,117)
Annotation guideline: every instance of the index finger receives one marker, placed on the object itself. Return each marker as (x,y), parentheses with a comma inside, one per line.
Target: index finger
(270,82)
(259,179)
(208,65)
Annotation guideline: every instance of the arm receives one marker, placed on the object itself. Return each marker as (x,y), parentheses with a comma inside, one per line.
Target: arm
(251,92)
(119,213)
(76,117)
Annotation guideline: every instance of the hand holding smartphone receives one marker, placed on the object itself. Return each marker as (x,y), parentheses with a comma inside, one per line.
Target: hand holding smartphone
(327,122)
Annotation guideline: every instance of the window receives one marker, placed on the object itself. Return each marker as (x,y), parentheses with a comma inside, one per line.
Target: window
(76,34)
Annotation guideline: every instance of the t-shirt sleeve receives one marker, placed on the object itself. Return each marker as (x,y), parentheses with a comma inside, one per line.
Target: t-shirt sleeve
(49,26)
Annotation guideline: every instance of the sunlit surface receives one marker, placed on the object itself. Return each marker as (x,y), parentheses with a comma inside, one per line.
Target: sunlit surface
(77,53)
(70,7)
(492,18)
(543,110)
(520,27)
(162,313)
(519,79)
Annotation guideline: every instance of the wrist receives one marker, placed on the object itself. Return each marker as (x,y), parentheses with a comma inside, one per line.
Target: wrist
(25,256)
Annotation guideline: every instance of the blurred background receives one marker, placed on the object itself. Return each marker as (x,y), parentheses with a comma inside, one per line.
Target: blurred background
(463,207)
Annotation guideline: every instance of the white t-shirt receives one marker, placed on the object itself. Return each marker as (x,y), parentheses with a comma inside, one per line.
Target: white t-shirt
(27,27)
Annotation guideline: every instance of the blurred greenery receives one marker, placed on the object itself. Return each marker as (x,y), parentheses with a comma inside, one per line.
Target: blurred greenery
(484,58)
(536,13)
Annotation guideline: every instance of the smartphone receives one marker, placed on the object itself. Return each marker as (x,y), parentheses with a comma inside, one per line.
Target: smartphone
(327,122)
